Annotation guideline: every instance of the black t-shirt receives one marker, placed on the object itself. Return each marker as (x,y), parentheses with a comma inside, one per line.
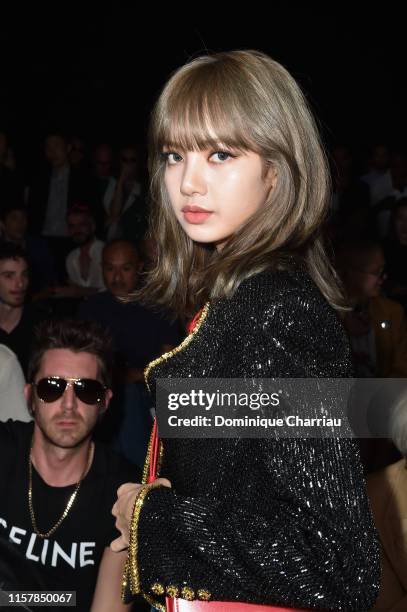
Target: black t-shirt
(69,558)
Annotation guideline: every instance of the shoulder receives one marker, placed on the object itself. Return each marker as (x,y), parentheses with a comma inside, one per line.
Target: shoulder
(286,312)
(10,368)
(287,294)
(8,360)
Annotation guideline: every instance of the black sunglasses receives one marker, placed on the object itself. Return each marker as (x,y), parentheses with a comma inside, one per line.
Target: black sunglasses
(87,390)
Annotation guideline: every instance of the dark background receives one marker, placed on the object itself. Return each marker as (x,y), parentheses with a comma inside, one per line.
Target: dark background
(96,71)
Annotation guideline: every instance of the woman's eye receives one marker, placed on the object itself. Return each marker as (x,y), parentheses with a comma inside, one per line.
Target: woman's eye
(171,158)
(221,156)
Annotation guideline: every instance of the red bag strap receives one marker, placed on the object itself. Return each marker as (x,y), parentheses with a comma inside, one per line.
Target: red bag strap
(155,441)
(154,452)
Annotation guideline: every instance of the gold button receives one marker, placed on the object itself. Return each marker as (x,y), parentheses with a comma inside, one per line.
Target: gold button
(188,593)
(157,588)
(172,591)
(204,595)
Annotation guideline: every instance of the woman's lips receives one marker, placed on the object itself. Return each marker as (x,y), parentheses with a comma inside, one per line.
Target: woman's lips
(196,217)
(195,214)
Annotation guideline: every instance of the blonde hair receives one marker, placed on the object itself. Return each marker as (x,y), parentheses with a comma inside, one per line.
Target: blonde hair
(244,100)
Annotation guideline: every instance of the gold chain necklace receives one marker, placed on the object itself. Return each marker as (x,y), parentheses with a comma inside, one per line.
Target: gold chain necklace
(70,501)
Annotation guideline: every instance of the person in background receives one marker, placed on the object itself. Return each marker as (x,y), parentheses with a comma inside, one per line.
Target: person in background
(397,190)
(12,400)
(128,214)
(387,490)
(63,530)
(10,184)
(140,335)
(52,193)
(14,228)
(377,330)
(77,153)
(376,325)
(102,165)
(349,191)
(18,317)
(378,177)
(83,264)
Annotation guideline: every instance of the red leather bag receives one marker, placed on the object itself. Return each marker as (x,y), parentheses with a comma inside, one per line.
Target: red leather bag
(182,605)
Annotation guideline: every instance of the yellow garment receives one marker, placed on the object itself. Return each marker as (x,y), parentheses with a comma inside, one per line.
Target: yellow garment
(387,491)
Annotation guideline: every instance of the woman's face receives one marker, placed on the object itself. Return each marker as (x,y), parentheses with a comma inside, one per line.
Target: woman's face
(213,192)
(364,279)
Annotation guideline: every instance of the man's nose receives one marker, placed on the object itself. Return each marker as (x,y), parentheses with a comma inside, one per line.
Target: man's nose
(20,282)
(69,399)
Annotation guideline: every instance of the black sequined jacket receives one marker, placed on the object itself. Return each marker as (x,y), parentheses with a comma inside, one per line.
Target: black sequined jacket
(259,520)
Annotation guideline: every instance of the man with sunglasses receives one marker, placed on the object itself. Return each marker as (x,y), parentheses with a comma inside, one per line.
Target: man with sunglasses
(57,486)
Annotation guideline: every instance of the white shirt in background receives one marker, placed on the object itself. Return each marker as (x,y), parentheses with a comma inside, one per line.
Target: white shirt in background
(95,276)
(12,401)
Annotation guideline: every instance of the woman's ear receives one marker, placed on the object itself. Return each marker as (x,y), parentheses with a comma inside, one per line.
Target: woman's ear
(271,176)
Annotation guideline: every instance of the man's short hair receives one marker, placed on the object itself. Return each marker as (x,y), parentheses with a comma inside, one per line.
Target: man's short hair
(76,336)
(57,134)
(9,250)
(79,208)
(124,243)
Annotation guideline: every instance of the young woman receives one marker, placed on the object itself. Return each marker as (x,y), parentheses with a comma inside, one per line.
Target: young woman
(239,189)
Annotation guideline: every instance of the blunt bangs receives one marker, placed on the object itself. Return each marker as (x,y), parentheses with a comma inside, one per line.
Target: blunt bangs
(192,119)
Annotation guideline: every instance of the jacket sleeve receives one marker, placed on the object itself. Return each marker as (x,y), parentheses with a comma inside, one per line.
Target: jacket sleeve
(315,546)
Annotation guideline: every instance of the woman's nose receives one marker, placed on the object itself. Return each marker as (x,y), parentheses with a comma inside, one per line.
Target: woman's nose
(193,178)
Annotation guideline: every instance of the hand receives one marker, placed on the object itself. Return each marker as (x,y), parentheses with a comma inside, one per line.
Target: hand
(123,510)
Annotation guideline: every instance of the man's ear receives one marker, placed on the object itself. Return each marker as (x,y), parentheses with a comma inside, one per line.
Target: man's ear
(28,391)
(108,397)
